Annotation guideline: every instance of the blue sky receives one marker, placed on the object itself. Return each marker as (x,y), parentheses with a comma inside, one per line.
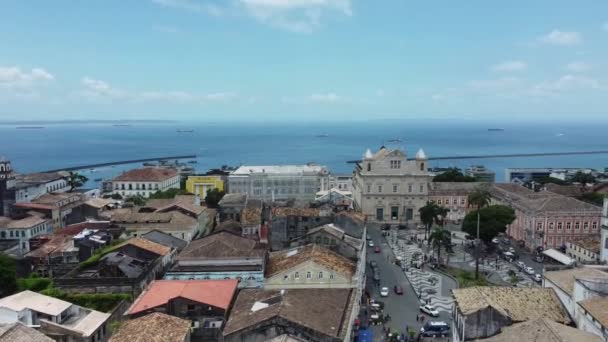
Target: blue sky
(303,59)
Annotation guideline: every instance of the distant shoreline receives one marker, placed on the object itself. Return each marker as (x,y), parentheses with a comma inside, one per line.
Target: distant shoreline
(81,122)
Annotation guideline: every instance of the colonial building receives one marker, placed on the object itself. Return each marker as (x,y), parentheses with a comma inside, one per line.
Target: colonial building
(31,186)
(291,222)
(311,266)
(318,315)
(542,329)
(454,196)
(62,320)
(585,250)
(221,255)
(145,181)
(62,208)
(545,219)
(23,229)
(7,182)
(268,183)
(342,182)
(482,311)
(154,327)
(387,187)
(200,185)
(332,237)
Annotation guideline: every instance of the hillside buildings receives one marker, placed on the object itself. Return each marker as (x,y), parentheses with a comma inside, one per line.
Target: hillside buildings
(200,185)
(24,229)
(480,173)
(276,182)
(387,187)
(145,181)
(54,317)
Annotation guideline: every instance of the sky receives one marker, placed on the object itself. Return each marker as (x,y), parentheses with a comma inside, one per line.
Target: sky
(311,60)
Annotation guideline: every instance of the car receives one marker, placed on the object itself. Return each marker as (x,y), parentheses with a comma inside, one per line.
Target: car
(432,329)
(429,310)
(373,264)
(538,258)
(495,240)
(420,226)
(511,249)
(386,226)
(529,270)
(521,264)
(398,290)
(538,278)
(384,292)
(377,249)
(368,238)
(376,276)
(370,243)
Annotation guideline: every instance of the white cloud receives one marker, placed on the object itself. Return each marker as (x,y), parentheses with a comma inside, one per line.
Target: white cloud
(510,66)
(564,38)
(578,66)
(222,96)
(301,16)
(605,26)
(566,83)
(192,5)
(325,98)
(14,77)
(494,84)
(167,29)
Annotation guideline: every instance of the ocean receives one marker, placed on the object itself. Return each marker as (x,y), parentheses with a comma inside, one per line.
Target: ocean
(216,144)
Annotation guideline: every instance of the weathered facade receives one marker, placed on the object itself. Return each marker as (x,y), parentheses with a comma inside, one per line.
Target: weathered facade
(387,187)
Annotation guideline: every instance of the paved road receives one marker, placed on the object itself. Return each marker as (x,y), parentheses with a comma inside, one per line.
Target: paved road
(402,309)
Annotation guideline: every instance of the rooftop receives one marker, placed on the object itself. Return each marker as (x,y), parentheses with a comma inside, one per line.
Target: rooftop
(155,327)
(322,310)
(565,190)
(147,174)
(454,188)
(17,332)
(598,308)
(295,211)
(129,266)
(222,245)
(542,330)
(147,245)
(35,301)
(286,338)
(565,279)
(56,198)
(590,243)
(99,202)
(251,216)
(519,304)
(26,222)
(234,199)
(230,226)
(217,293)
(174,221)
(165,239)
(56,245)
(278,169)
(37,178)
(339,234)
(287,259)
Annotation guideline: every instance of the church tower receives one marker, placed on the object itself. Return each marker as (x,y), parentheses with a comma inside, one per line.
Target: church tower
(6,178)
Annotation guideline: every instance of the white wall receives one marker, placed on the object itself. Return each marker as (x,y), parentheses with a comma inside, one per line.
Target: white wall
(8,316)
(563,296)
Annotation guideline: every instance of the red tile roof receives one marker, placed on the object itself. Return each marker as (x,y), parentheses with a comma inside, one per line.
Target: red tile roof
(34,206)
(148,174)
(217,293)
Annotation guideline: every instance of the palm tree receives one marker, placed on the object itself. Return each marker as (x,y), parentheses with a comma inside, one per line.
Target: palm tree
(436,239)
(479,198)
(427,216)
(75,180)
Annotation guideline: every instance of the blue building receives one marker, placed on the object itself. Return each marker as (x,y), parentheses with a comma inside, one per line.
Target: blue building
(222,255)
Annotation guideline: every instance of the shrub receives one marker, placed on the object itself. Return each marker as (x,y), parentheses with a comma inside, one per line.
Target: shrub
(34,283)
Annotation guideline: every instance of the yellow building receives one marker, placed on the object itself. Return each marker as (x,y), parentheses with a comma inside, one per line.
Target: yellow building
(199,185)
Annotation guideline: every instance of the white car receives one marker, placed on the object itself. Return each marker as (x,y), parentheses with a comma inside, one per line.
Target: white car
(538,278)
(495,240)
(370,243)
(529,270)
(521,264)
(384,292)
(429,310)
(511,249)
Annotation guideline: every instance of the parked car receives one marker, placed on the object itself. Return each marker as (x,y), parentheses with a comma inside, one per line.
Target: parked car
(429,310)
(521,264)
(511,249)
(398,290)
(384,292)
(495,240)
(376,275)
(538,278)
(373,264)
(538,258)
(432,329)
(377,249)
(529,270)
(368,238)
(420,226)
(370,243)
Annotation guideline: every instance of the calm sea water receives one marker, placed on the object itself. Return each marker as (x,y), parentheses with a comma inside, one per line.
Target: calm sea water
(63,145)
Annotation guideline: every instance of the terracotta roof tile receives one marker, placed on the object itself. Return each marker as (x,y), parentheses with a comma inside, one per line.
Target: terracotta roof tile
(155,327)
(598,308)
(222,245)
(147,174)
(542,330)
(287,259)
(146,245)
(292,211)
(217,293)
(590,243)
(564,279)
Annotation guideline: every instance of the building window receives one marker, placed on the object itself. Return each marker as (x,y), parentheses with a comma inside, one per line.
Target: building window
(462,201)
(539,226)
(308,275)
(380,188)
(286,277)
(369,188)
(586,226)
(577,225)
(409,188)
(395,164)
(439,201)
(320,275)
(559,226)
(568,225)
(421,187)
(369,166)
(551,226)
(331,275)
(395,187)
(296,275)
(594,225)
(454,201)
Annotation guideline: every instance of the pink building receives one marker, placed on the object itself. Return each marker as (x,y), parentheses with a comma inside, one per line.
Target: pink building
(454,196)
(547,219)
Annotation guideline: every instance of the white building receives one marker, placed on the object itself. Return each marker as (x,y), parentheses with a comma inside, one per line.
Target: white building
(387,187)
(145,181)
(54,317)
(604,237)
(585,250)
(276,182)
(24,229)
(31,186)
(342,182)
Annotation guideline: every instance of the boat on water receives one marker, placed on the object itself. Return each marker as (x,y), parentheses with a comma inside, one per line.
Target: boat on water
(30,127)
(121,125)
(322,135)
(150,164)
(496,129)
(192,162)
(395,141)
(98,179)
(185,131)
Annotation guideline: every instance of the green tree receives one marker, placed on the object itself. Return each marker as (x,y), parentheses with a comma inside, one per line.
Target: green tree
(441,238)
(479,198)
(168,194)
(545,180)
(583,178)
(213,198)
(493,220)
(453,174)
(136,200)
(432,213)
(75,180)
(8,276)
(593,198)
